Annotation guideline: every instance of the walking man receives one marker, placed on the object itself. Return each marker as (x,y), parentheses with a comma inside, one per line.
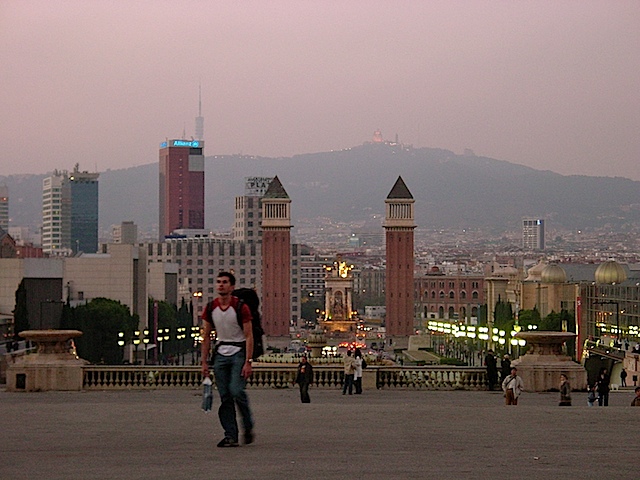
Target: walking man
(603,388)
(231,358)
(513,387)
(304,379)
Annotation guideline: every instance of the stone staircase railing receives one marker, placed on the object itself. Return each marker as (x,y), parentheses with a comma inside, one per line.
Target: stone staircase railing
(114,377)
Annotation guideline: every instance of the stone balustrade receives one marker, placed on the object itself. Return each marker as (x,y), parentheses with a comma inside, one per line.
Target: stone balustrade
(112,377)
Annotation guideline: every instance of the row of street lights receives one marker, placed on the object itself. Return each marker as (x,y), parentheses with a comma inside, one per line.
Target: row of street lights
(162,336)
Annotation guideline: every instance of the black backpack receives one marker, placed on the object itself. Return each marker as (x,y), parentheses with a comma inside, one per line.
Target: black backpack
(249,297)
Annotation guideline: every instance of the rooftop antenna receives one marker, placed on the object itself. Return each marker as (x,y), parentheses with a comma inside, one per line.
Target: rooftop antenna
(199,118)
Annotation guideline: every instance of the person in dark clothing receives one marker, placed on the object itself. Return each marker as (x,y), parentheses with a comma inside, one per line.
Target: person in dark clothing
(565,391)
(603,388)
(505,367)
(492,369)
(304,379)
(623,378)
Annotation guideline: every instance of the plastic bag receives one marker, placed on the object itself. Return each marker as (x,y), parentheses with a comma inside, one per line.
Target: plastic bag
(207,395)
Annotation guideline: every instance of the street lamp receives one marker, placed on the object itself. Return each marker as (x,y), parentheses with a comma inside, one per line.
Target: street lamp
(617,304)
(136,342)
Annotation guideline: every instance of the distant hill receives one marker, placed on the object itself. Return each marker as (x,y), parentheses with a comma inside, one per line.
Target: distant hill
(351,185)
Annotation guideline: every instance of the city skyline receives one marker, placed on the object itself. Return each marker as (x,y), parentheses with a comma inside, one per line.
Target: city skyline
(550,85)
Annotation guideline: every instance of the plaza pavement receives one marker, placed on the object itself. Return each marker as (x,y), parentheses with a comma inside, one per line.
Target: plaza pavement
(382,434)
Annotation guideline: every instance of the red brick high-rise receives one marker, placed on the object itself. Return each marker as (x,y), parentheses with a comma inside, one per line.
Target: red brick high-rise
(399,225)
(181,186)
(276,260)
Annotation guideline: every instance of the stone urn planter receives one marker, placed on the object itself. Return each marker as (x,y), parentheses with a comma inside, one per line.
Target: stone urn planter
(53,366)
(541,366)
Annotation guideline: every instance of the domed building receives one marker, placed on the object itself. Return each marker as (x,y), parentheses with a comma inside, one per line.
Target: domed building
(553,273)
(610,272)
(546,289)
(610,308)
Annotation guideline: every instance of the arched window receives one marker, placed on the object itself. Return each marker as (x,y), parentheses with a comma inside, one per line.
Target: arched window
(441,294)
(452,294)
(441,312)
(451,313)
(433,294)
(463,294)
(474,295)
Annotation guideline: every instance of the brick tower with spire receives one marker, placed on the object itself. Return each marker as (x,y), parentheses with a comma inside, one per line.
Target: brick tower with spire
(276,260)
(399,225)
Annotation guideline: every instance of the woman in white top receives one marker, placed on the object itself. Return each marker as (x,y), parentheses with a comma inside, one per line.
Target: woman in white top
(357,376)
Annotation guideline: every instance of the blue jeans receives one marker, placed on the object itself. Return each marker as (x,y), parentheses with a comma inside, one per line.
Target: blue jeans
(348,383)
(227,371)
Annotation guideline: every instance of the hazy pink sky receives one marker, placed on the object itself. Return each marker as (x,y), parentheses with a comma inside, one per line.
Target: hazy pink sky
(549,84)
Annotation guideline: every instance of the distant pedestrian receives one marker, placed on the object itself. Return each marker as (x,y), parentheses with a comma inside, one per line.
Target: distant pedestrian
(603,388)
(492,368)
(636,401)
(349,372)
(505,367)
(513,387)
(304,379)
(623,378)
(357,374)
(565,391)
(592,396)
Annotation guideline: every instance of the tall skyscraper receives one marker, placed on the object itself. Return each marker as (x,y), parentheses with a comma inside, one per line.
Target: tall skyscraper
(533,233)
(83,194)
(276,260)
(4,207)
(248,217)
(181,185)
(399,225)
(70,212)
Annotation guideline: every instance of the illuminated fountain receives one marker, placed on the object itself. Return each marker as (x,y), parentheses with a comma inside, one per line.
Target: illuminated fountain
(339,316)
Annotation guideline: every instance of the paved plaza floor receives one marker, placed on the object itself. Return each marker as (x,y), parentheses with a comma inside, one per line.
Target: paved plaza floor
(384,434)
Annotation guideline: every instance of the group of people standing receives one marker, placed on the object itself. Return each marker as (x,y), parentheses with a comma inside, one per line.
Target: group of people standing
(353,364)
(491,363)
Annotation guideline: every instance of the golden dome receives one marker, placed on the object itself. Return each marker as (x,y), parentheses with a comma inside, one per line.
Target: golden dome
(610,272)
(553,274)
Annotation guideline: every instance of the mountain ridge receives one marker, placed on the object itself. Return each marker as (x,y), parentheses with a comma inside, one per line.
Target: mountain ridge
(350,185)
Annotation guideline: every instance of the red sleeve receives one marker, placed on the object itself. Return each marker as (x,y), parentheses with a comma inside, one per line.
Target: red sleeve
(206,313)
(246,313)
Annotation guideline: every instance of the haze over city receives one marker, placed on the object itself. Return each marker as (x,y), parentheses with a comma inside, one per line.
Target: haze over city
(550,85)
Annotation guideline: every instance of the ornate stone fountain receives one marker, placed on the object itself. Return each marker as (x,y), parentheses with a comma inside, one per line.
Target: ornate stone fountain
(316,341)
(52,367)
(541,366)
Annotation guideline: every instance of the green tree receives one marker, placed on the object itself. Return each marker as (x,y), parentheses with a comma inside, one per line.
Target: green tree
(101,320)
(309,307)
(167,319)
(551,323)
(529,317)
(503,316)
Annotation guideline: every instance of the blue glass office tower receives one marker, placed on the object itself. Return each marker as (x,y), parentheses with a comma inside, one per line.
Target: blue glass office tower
(70,213)
(83,211)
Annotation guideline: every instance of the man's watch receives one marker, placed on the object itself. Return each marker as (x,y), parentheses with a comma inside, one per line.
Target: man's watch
(249,361)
